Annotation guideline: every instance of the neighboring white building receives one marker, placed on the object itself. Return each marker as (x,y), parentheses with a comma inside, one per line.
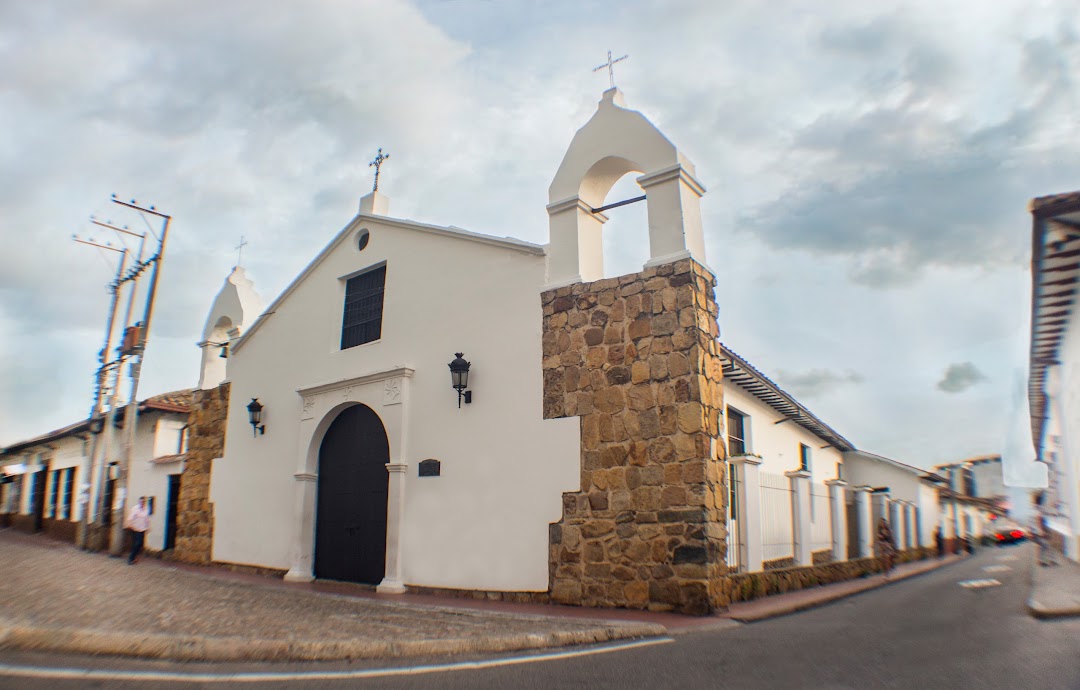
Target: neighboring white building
(1054,366)
(913,491)
(48,478)
(765,422)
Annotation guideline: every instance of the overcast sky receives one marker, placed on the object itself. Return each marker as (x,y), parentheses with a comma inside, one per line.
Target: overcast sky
(868,167)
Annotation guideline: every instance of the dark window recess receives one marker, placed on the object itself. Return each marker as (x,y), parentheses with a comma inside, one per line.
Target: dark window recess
(362,322)
(736,433)
(430,468)
(54,495)
(804,457)
(69,487)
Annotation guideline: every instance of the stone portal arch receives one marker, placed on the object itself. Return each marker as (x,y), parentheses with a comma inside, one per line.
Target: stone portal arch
(352,493)
(617,141)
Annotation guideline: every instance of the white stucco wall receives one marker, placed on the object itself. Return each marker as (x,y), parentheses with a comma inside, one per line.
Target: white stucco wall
(483,524)
(1063,392)
(158,434)
(59,454)
(903,485)
(778,444)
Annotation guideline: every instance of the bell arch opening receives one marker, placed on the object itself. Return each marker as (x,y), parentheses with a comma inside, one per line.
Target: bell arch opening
(625,237)
(614,143)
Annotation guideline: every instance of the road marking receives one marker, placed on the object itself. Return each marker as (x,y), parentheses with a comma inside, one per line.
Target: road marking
(1008,558)
(977,584)
(262,677)
(997,568)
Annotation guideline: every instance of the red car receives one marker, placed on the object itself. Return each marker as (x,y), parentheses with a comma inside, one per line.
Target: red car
(1008,533)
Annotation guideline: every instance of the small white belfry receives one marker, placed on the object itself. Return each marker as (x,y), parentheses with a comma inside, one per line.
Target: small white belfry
(236,306)
(617,141)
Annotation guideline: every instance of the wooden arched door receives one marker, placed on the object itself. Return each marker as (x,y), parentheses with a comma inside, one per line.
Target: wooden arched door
(350,524)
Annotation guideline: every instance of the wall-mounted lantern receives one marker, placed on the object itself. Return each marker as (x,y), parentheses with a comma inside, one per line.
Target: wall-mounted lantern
(459,376)
(255,409)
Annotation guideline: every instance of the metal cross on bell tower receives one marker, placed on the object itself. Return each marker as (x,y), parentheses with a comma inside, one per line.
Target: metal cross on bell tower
(610,64)
(240,250)
(377,163)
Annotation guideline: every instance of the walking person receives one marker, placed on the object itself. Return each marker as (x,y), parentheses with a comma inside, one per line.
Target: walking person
(1041,533)
(939,542)
(886,547)
(138,522)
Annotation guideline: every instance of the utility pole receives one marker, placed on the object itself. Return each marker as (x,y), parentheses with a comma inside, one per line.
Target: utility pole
(99,393)
(136,346)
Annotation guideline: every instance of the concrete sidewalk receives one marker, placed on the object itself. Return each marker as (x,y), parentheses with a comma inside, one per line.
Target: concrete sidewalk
(1055,590)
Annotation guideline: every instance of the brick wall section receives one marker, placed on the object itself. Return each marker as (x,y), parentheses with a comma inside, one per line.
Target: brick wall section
(636,358)
(206,441)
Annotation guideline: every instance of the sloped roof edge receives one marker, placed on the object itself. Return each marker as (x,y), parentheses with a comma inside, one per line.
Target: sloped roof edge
(448,231)
(776,398)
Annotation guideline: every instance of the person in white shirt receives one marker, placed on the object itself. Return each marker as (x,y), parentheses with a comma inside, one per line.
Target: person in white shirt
(138,522)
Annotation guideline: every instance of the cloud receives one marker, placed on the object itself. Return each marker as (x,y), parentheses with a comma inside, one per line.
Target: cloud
(816,382)
(959,377)
(911,169)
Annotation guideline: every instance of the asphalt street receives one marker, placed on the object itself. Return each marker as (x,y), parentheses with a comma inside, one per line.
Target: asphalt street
(926,632)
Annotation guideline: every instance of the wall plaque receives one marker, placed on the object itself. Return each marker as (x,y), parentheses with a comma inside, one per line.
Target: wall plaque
(430,468)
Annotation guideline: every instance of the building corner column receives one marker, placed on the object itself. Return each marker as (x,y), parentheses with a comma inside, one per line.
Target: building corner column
(749,503)
(864,515)
(896,522)
(303,547)
(838,510)
(800,515)
(392,582)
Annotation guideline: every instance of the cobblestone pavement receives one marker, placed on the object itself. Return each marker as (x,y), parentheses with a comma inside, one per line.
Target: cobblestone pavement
(53,586)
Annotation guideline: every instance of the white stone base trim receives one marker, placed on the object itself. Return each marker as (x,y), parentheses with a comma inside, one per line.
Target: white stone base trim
(298,576)
(391,587)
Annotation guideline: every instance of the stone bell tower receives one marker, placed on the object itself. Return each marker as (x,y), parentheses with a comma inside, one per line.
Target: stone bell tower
(636,358)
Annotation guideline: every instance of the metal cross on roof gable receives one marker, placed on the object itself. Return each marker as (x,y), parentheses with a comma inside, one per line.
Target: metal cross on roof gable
(610,64)
(377,163)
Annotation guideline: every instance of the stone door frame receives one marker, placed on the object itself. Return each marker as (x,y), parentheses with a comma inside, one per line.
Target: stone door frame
(386,393)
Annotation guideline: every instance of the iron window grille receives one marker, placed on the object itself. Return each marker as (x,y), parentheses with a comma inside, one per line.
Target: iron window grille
(362,320)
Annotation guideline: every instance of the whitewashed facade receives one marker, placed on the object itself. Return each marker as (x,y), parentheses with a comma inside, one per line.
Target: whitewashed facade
(787,503)
(914,489)
(1054,365)
(483,522)
(53,485)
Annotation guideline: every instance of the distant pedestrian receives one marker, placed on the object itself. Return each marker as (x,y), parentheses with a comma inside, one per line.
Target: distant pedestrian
(138,522)
(939,542)
(886,547)
(1042,534)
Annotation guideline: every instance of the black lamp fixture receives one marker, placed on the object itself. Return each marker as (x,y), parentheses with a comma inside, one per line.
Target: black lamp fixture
(255,409)
(459,376)
(96,424)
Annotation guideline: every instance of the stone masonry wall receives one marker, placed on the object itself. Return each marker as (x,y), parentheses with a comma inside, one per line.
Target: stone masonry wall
(636,358)
(206,441)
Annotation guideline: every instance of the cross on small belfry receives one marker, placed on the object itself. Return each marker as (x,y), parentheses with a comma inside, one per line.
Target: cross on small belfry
(240,250)
(610,64)
(377,163)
